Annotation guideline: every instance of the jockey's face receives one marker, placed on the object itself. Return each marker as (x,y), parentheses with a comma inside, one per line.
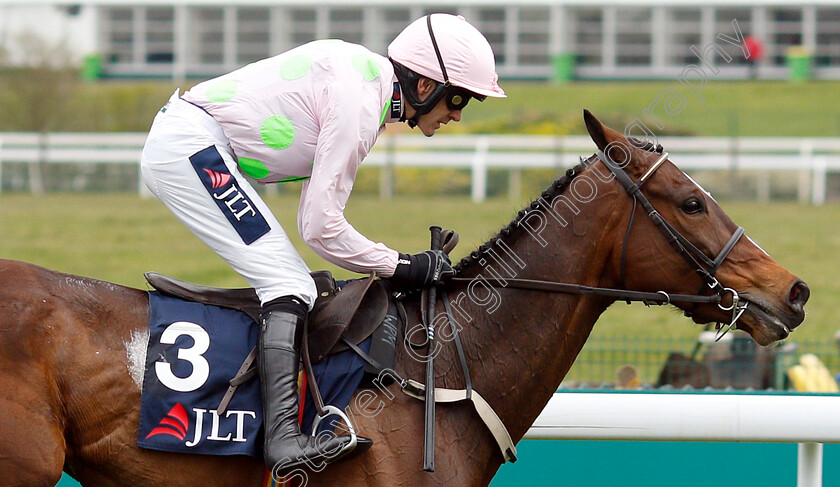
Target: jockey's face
(441,114)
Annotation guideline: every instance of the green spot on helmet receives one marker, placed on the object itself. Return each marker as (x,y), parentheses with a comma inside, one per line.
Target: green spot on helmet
(295,67)
(222,90)
(367,66)
(253,168)
(277,132)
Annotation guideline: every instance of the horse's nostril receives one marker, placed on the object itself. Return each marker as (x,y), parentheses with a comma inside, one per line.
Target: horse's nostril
(798,295)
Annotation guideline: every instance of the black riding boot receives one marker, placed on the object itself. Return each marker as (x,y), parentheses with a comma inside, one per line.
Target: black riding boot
(279,361)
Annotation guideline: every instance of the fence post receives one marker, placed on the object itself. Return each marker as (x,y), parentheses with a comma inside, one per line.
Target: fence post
(515,184)
(805,185)
(559,153)
(479,169)
(818,182)
(36,167)
(806,153)
(809,465)
(762,187)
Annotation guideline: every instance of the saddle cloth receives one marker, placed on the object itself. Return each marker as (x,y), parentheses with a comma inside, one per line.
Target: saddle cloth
(194,350)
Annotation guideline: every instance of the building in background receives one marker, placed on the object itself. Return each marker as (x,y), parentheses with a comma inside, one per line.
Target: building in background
(533,39)
(71,26)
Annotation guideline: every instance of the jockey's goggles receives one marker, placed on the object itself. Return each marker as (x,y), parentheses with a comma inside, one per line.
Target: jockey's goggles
(457,98)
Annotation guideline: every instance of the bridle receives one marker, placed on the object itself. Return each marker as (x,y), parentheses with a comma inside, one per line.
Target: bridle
(704,266)
(700,262)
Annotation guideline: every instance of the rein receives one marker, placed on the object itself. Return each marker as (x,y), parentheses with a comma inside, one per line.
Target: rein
(659,298)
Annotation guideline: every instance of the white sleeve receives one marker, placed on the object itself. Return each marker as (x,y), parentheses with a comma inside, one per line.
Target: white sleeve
(342,145)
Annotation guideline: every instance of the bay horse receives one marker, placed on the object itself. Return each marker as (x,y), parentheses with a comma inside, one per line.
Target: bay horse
(69,402)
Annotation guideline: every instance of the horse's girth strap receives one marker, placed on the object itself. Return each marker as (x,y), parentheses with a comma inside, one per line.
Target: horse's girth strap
(482,407)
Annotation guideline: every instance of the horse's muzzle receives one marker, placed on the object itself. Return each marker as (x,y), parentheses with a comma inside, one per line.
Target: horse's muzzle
(797,297)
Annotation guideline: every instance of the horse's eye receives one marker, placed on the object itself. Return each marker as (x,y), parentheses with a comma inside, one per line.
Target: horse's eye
(692,205)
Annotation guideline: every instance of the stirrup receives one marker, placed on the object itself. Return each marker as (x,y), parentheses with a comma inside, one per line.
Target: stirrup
(279,470)
(330,411)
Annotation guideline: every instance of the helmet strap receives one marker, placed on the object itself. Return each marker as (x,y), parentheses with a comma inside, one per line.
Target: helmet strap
(408,83)
(446,82)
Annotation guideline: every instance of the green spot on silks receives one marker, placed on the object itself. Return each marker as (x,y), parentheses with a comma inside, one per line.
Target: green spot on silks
(293,179)
(277,132)
(366,65)
(222,90)
(253,168)
(385,112)
(295,67)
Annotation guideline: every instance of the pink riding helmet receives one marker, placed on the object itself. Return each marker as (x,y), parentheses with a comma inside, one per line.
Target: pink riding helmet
(449,50)
(466,54)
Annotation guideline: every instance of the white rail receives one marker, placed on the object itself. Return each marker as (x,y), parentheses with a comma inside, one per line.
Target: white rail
(813,158)
(809,420)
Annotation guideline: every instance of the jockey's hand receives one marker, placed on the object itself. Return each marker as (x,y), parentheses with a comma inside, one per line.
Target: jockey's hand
(421,270)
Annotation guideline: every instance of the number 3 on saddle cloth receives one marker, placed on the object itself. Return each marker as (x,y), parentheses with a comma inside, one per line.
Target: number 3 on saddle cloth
(195,348)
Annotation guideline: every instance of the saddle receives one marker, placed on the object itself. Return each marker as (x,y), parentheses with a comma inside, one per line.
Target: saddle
(340,316)
(341,319)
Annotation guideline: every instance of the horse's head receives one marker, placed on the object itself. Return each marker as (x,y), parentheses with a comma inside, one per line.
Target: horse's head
(645,259)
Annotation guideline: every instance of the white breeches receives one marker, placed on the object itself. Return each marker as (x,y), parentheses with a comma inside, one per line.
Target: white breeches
(188,165)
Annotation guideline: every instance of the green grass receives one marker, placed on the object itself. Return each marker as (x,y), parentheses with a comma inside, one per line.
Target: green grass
(117,237)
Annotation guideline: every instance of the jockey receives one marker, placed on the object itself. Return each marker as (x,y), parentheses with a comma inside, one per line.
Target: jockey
(310,114)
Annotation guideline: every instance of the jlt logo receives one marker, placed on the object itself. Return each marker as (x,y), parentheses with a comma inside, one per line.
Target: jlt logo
(176,424)
(238,205)
(231,196)
(235,204)
(214,428)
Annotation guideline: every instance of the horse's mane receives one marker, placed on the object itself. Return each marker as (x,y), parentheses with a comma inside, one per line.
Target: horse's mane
(557,187)
(513,228)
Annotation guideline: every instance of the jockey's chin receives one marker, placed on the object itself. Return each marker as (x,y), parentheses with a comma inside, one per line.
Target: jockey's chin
(440,115)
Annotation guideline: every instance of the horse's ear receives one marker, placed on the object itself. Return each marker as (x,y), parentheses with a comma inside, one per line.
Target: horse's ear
(596,129)
(603,136)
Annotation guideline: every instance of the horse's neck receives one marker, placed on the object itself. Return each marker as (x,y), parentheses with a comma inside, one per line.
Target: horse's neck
(520,344)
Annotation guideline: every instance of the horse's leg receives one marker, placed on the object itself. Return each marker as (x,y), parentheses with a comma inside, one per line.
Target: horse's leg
(31,441)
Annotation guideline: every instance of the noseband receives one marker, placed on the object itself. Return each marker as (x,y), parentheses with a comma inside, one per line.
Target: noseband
(702,264)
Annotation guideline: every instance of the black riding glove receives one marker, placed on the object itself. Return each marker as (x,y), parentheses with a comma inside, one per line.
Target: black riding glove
(421,270)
